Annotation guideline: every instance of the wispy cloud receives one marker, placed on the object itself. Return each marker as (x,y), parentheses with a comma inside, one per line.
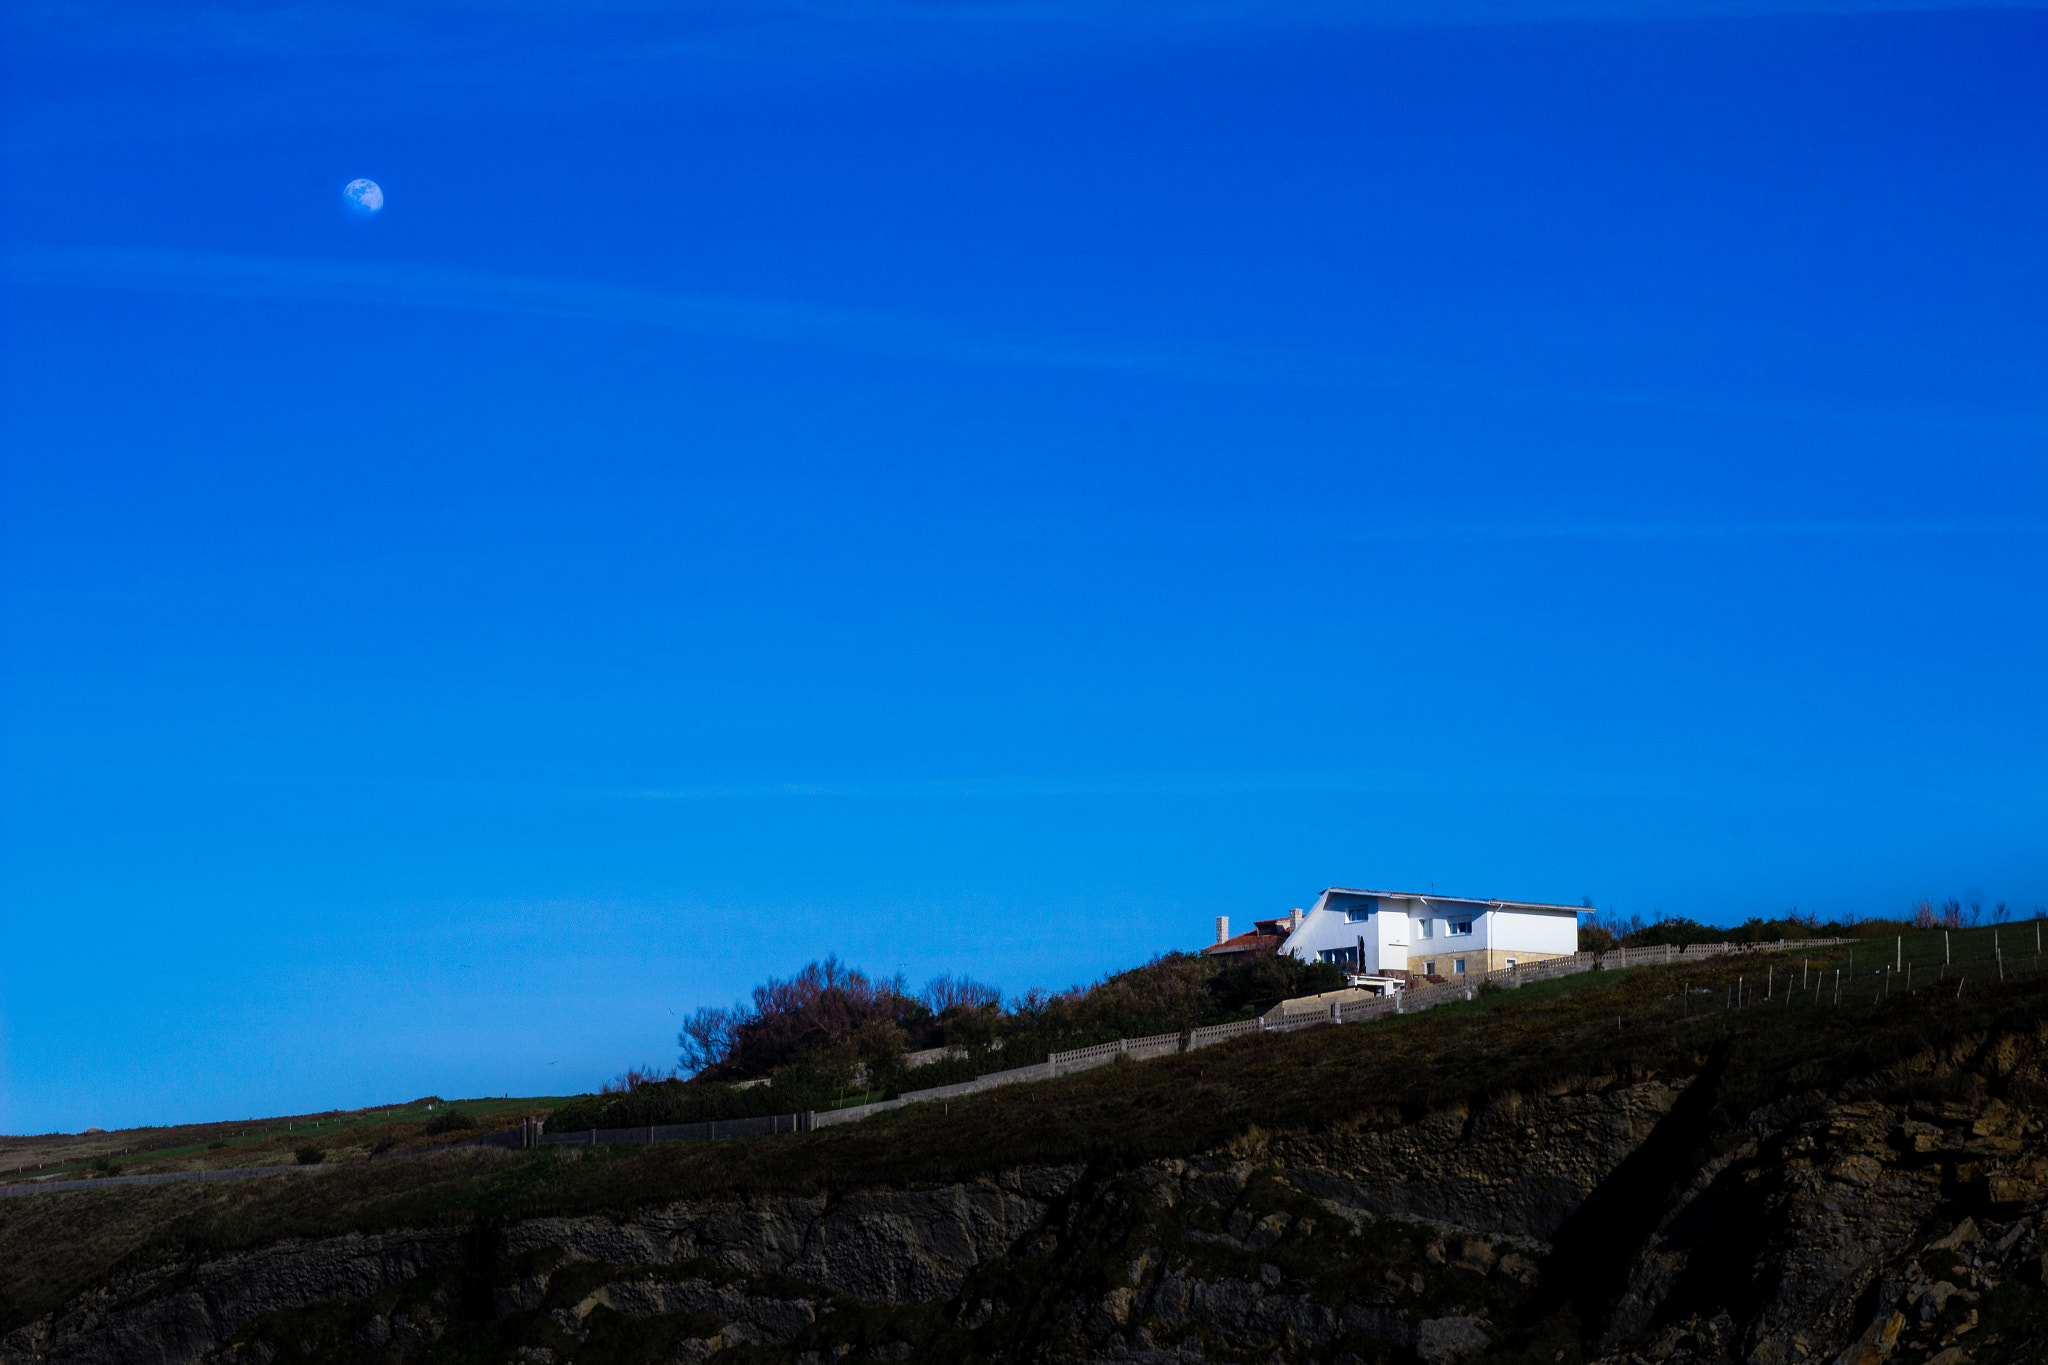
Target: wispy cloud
(1406,783)
(451,28)
(1223,784)
(1406,364)
(434,287)
(1702,529)
(315,64)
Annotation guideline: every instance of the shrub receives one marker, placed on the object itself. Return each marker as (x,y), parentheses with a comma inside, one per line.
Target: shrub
(454,1121)
(383,1145)
(215,1146)
(1268,978)
(1595,937)
(1679,931)
(106,1165)
(633,1077)
(828,1029)
(819,1009)
(311,1154)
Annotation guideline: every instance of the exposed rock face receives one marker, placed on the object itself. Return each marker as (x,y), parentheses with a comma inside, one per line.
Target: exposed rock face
(889,1246)
(1853,1226)
(1857,1231)
(1518,1166)
(183,1312)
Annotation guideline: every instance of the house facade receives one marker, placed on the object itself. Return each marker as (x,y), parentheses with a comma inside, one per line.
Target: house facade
(1376,933)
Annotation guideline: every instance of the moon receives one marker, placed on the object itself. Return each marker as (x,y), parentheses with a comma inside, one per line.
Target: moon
(364,196)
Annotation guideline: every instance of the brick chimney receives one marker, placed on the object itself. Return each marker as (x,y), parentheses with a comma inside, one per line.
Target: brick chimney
(1293,919)
(1222,927)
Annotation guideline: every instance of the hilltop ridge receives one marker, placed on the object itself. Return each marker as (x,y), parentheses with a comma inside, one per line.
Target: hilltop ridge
(1577,1170)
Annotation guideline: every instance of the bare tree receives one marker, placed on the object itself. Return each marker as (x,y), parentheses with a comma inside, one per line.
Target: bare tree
(708,1035)
(820,1008)
(947,992)
(633,1077)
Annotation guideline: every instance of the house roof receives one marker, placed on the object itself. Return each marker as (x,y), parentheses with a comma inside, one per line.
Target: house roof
(1263,933)
(1430,897)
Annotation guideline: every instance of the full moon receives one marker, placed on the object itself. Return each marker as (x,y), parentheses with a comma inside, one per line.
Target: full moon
(364,196)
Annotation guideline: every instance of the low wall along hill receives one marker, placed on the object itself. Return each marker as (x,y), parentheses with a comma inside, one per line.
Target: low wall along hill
(1280,1019)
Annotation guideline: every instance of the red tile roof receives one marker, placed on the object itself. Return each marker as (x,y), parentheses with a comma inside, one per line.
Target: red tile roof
(1264,934)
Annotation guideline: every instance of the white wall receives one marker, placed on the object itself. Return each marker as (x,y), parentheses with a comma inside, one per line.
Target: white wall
(1393,932)
(1324,929)
(1536,931)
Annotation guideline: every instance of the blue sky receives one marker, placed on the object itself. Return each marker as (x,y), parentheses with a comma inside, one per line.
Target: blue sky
(977,488)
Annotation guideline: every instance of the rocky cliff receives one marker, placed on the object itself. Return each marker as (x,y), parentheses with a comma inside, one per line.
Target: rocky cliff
(1893,1215)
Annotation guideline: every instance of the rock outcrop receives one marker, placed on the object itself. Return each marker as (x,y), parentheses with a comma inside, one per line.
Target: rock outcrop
(1894,1218)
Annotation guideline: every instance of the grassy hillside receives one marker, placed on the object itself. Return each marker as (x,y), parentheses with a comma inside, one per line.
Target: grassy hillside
(253,1142)
(1586,1032)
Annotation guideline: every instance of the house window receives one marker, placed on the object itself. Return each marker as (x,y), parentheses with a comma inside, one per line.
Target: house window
(1427,927)
(1513,963)
(1458,966)
(1461,926)
(1357,913)
(1429,969)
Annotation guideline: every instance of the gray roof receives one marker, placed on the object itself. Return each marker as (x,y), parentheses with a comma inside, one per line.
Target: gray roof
(1432,898)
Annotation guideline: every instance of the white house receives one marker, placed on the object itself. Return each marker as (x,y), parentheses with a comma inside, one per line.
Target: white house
(1372,933)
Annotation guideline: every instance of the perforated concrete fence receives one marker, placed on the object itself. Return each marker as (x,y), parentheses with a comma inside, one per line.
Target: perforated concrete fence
(1416,999)
(1222,1033)
(531,1133)
(1058,1064)
(1277,1020)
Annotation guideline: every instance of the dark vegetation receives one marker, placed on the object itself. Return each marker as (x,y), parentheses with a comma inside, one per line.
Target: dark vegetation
(830,1035)
(1587,1032)
(449,1121)
(1603,932)
(261,1142)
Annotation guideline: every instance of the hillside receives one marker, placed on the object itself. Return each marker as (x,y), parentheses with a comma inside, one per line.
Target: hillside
(338,1134)
(1612,1166)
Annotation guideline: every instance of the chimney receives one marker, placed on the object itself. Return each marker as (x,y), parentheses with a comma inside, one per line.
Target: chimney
(1293,919)
(1222,927)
